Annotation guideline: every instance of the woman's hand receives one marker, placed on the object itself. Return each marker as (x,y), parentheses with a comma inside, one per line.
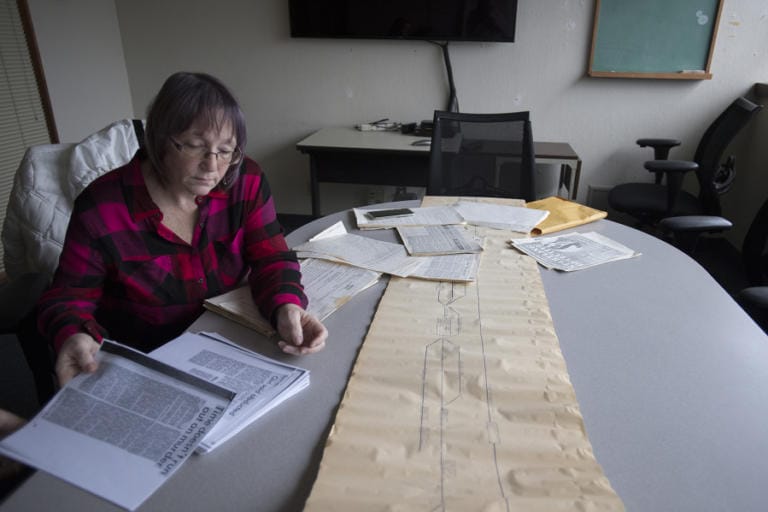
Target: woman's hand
(77,355)
(300,333)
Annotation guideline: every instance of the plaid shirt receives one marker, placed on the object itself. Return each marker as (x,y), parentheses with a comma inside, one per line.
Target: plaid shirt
(124,275)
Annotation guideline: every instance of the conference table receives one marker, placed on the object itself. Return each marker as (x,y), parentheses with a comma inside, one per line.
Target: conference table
(670,374)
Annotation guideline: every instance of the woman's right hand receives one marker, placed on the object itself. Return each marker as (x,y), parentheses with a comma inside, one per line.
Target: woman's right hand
(77,355)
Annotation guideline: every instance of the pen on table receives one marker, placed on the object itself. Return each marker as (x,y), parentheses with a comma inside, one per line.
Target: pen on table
(380,121)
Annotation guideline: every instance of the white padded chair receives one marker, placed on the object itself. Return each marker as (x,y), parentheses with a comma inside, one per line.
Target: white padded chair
(46,184)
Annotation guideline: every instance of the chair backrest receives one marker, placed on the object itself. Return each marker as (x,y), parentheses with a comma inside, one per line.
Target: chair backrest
(715,176)
(754,251)
(482,155)
(45,186)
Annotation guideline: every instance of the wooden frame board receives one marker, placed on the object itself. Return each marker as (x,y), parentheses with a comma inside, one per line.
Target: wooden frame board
(654,39)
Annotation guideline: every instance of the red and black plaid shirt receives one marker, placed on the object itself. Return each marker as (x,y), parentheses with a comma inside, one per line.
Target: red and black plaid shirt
(123,275)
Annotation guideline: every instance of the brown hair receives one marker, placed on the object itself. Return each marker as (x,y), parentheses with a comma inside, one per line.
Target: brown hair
(184,99)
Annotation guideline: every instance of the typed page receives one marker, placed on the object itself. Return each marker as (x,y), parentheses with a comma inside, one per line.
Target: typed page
(434,240)
(573,251)
(261,383)
(120,432)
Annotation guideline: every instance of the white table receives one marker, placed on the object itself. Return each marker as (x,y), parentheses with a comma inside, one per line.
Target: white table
(347,155)
(671,376)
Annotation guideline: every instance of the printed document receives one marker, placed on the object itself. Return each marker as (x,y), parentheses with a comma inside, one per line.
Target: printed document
(261,383)
(574,251)
(120,432)
(499,216)
(434,240)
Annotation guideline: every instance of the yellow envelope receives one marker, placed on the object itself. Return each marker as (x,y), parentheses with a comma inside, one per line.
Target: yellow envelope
(563,214)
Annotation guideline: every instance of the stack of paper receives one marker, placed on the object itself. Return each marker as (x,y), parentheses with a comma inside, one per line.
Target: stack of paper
(368,253)
(487,214)
(261,383)
(122,431)
(426,216)
(387,257)
(574,251)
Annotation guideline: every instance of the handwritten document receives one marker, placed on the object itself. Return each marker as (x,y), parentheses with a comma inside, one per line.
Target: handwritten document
(449,267)
(121,432)
(328,286)
(480,411)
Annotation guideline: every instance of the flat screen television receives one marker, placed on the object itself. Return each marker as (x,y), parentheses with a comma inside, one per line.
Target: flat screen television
(433,20)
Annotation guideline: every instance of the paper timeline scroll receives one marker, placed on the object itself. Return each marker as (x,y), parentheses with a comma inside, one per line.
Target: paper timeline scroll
(461,400)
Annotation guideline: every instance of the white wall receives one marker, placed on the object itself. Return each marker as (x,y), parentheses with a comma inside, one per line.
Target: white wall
(82,55)
(291,87)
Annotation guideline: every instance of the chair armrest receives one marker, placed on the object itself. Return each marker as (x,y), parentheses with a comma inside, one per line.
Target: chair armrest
(671,166)
(754,296)
(695,224)
(660,147)
(18,297)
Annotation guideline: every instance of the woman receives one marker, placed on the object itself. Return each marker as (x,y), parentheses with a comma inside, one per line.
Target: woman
(188,218)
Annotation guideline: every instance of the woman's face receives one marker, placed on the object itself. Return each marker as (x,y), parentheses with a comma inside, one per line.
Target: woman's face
(199,158)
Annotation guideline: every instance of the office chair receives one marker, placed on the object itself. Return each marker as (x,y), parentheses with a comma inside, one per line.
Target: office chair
(648,203)
(482,155)
(754,254)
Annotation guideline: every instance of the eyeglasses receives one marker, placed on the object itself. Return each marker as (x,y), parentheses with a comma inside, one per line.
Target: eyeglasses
(200,152)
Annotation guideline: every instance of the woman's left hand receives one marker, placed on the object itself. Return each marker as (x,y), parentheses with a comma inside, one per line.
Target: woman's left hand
(300,333)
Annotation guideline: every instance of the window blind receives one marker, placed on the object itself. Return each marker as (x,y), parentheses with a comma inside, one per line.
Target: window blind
(22,116)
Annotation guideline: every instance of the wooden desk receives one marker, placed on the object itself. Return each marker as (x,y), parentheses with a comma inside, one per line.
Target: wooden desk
(346,155)
(670,373)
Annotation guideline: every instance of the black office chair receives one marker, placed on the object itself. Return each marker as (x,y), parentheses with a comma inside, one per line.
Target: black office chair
(482,155)
(754,254)
(648,203)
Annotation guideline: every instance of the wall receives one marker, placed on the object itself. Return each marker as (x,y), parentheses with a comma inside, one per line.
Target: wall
(82,55)
(291,87)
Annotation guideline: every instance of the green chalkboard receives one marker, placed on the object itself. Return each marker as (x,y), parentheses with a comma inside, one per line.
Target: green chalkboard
(654,38)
